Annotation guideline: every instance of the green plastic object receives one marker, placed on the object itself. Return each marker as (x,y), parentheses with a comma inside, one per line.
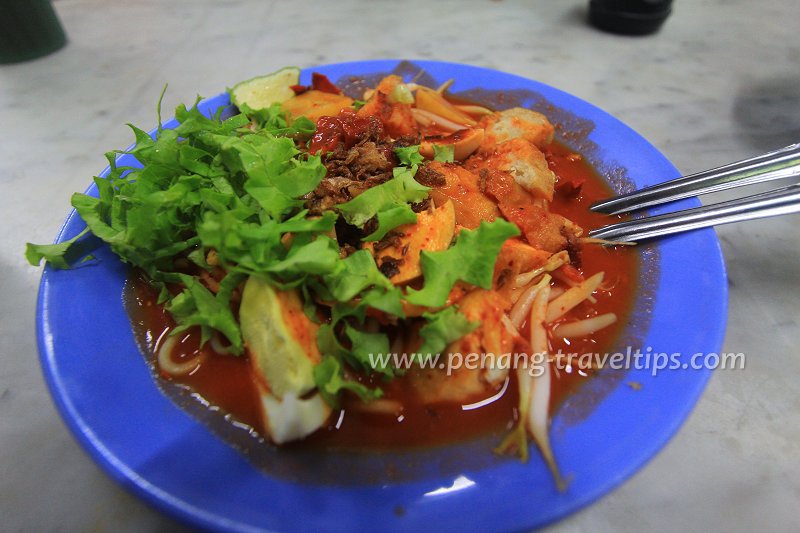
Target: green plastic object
(28,29)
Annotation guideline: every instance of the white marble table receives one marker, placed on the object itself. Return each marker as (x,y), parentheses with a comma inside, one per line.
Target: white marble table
(718,83)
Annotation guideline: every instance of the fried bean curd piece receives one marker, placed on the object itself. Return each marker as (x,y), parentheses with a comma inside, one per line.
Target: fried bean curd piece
(526,163)
(516,123)
(542,229)
(462,187)
(432,232)
(433,385)
(487,307)
(467,381)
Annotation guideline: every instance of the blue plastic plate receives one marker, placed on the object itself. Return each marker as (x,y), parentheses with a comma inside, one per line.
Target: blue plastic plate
(108,397)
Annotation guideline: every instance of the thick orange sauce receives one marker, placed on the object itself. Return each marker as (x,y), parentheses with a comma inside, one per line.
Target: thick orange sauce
(223,381)
(620,264)
(227,382)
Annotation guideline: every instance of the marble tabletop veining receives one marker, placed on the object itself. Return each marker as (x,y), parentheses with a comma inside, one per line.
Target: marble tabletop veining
(719,82)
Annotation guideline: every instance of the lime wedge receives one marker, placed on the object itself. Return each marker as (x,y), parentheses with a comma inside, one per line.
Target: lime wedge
(263,91)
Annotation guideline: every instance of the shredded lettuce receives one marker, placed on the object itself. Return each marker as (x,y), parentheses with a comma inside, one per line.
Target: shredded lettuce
(442,328)
(236,187)
(197,306)
(331,382)
(208,184)
(358,286)
(409,155)
(358,271)
(273,119)
(364,344)
(402,188)
(55,254)
(391,218)
(470,259)
(444,153)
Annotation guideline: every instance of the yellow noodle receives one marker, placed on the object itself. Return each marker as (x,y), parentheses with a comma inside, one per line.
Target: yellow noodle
(167,364)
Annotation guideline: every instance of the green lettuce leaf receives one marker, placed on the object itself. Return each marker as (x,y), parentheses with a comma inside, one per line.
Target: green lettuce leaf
(470,259)
(58,255)
(365,345)
(358,272)
(409,155)
(331,382)
(390,219)
(197,306)
(442,328)
(444,153)
(402,188)
(275,120)
(208,184)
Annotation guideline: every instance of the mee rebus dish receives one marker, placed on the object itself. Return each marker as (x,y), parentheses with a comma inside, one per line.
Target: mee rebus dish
(374,266)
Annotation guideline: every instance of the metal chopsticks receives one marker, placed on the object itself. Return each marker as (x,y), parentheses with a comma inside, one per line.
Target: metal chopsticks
(781,201)
(783,163)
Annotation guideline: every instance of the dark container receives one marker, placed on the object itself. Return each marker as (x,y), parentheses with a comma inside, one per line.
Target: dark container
(629,17)
(28,29)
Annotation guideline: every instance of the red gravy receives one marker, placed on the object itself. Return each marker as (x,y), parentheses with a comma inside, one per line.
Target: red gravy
(227,382)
